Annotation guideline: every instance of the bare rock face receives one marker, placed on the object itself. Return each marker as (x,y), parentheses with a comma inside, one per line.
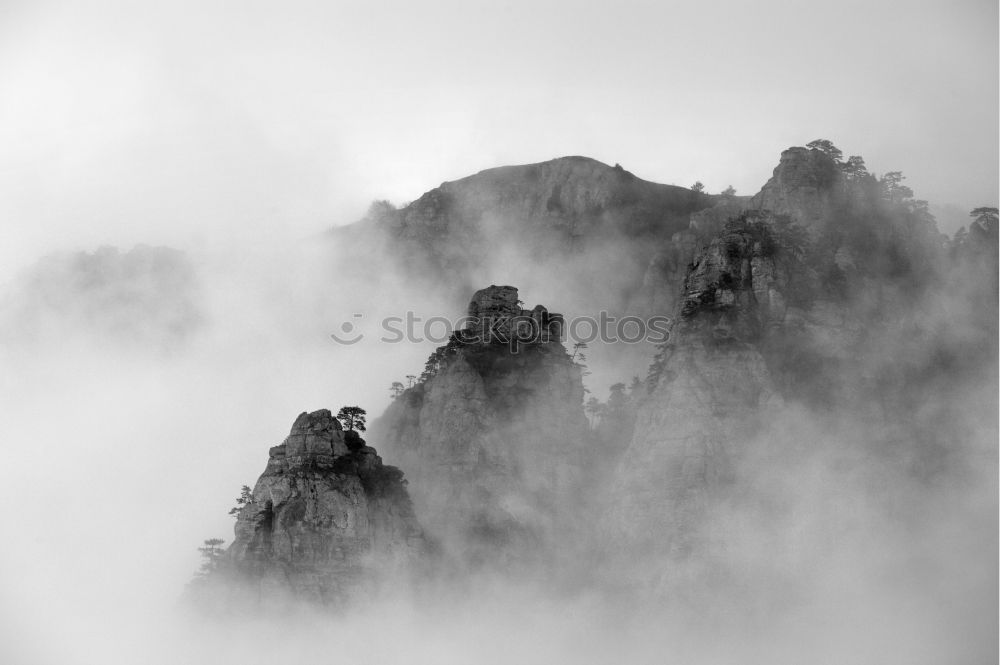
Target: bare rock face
(327,519)
(494,444)
(495,301)
(732,290)
(805,185)
(662,284)
(495,317)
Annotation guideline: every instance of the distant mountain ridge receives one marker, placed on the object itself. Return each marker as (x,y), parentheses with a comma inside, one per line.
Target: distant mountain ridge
(575,195)
(508,224)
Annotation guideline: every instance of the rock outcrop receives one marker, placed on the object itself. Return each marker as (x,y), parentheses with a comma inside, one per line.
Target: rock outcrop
(806,186)
(327,520)
(821,304)
(495,317)
(713,390)
(494,442)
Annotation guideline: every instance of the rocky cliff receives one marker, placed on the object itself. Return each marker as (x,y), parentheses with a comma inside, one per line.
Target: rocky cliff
(806,185)
(712,392)
(327,519)
(495,443)
(822,303)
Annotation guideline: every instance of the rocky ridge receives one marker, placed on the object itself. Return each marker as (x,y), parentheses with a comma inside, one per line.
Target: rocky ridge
(712,393)
(806,185)
(526,223)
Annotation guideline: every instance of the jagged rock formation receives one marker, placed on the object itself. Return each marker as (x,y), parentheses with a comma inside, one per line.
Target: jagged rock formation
(494,442)
(806,185)
(713,391)
(495,316)
(669,265)
(824,296)
(862,259)
(327,519)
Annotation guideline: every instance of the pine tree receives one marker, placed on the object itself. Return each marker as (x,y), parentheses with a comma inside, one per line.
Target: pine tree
(827,147)
(352,418)
(245,499)
(985,217)
(594,410)
(211,554)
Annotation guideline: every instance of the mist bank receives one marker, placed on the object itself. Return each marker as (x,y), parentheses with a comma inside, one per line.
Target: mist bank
(809,467)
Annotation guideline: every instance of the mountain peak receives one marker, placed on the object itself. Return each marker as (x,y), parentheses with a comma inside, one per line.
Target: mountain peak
(324,521)
(803,186)
(574,170)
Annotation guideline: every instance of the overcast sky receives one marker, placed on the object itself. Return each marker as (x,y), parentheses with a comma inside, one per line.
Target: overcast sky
(186,123)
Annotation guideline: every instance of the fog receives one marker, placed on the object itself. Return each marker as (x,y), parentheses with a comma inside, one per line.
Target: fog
(240,135)
(123,455)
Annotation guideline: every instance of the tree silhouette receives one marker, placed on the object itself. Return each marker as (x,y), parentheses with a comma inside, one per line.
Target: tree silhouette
(892,189)
(352,418)
(245,498)
(211,554)
(594,410)
(826,146)
(985,217)
(380,209)
(729,191)
(854,168)
(698,187)
(396,389)
(617,401)
(435,361)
